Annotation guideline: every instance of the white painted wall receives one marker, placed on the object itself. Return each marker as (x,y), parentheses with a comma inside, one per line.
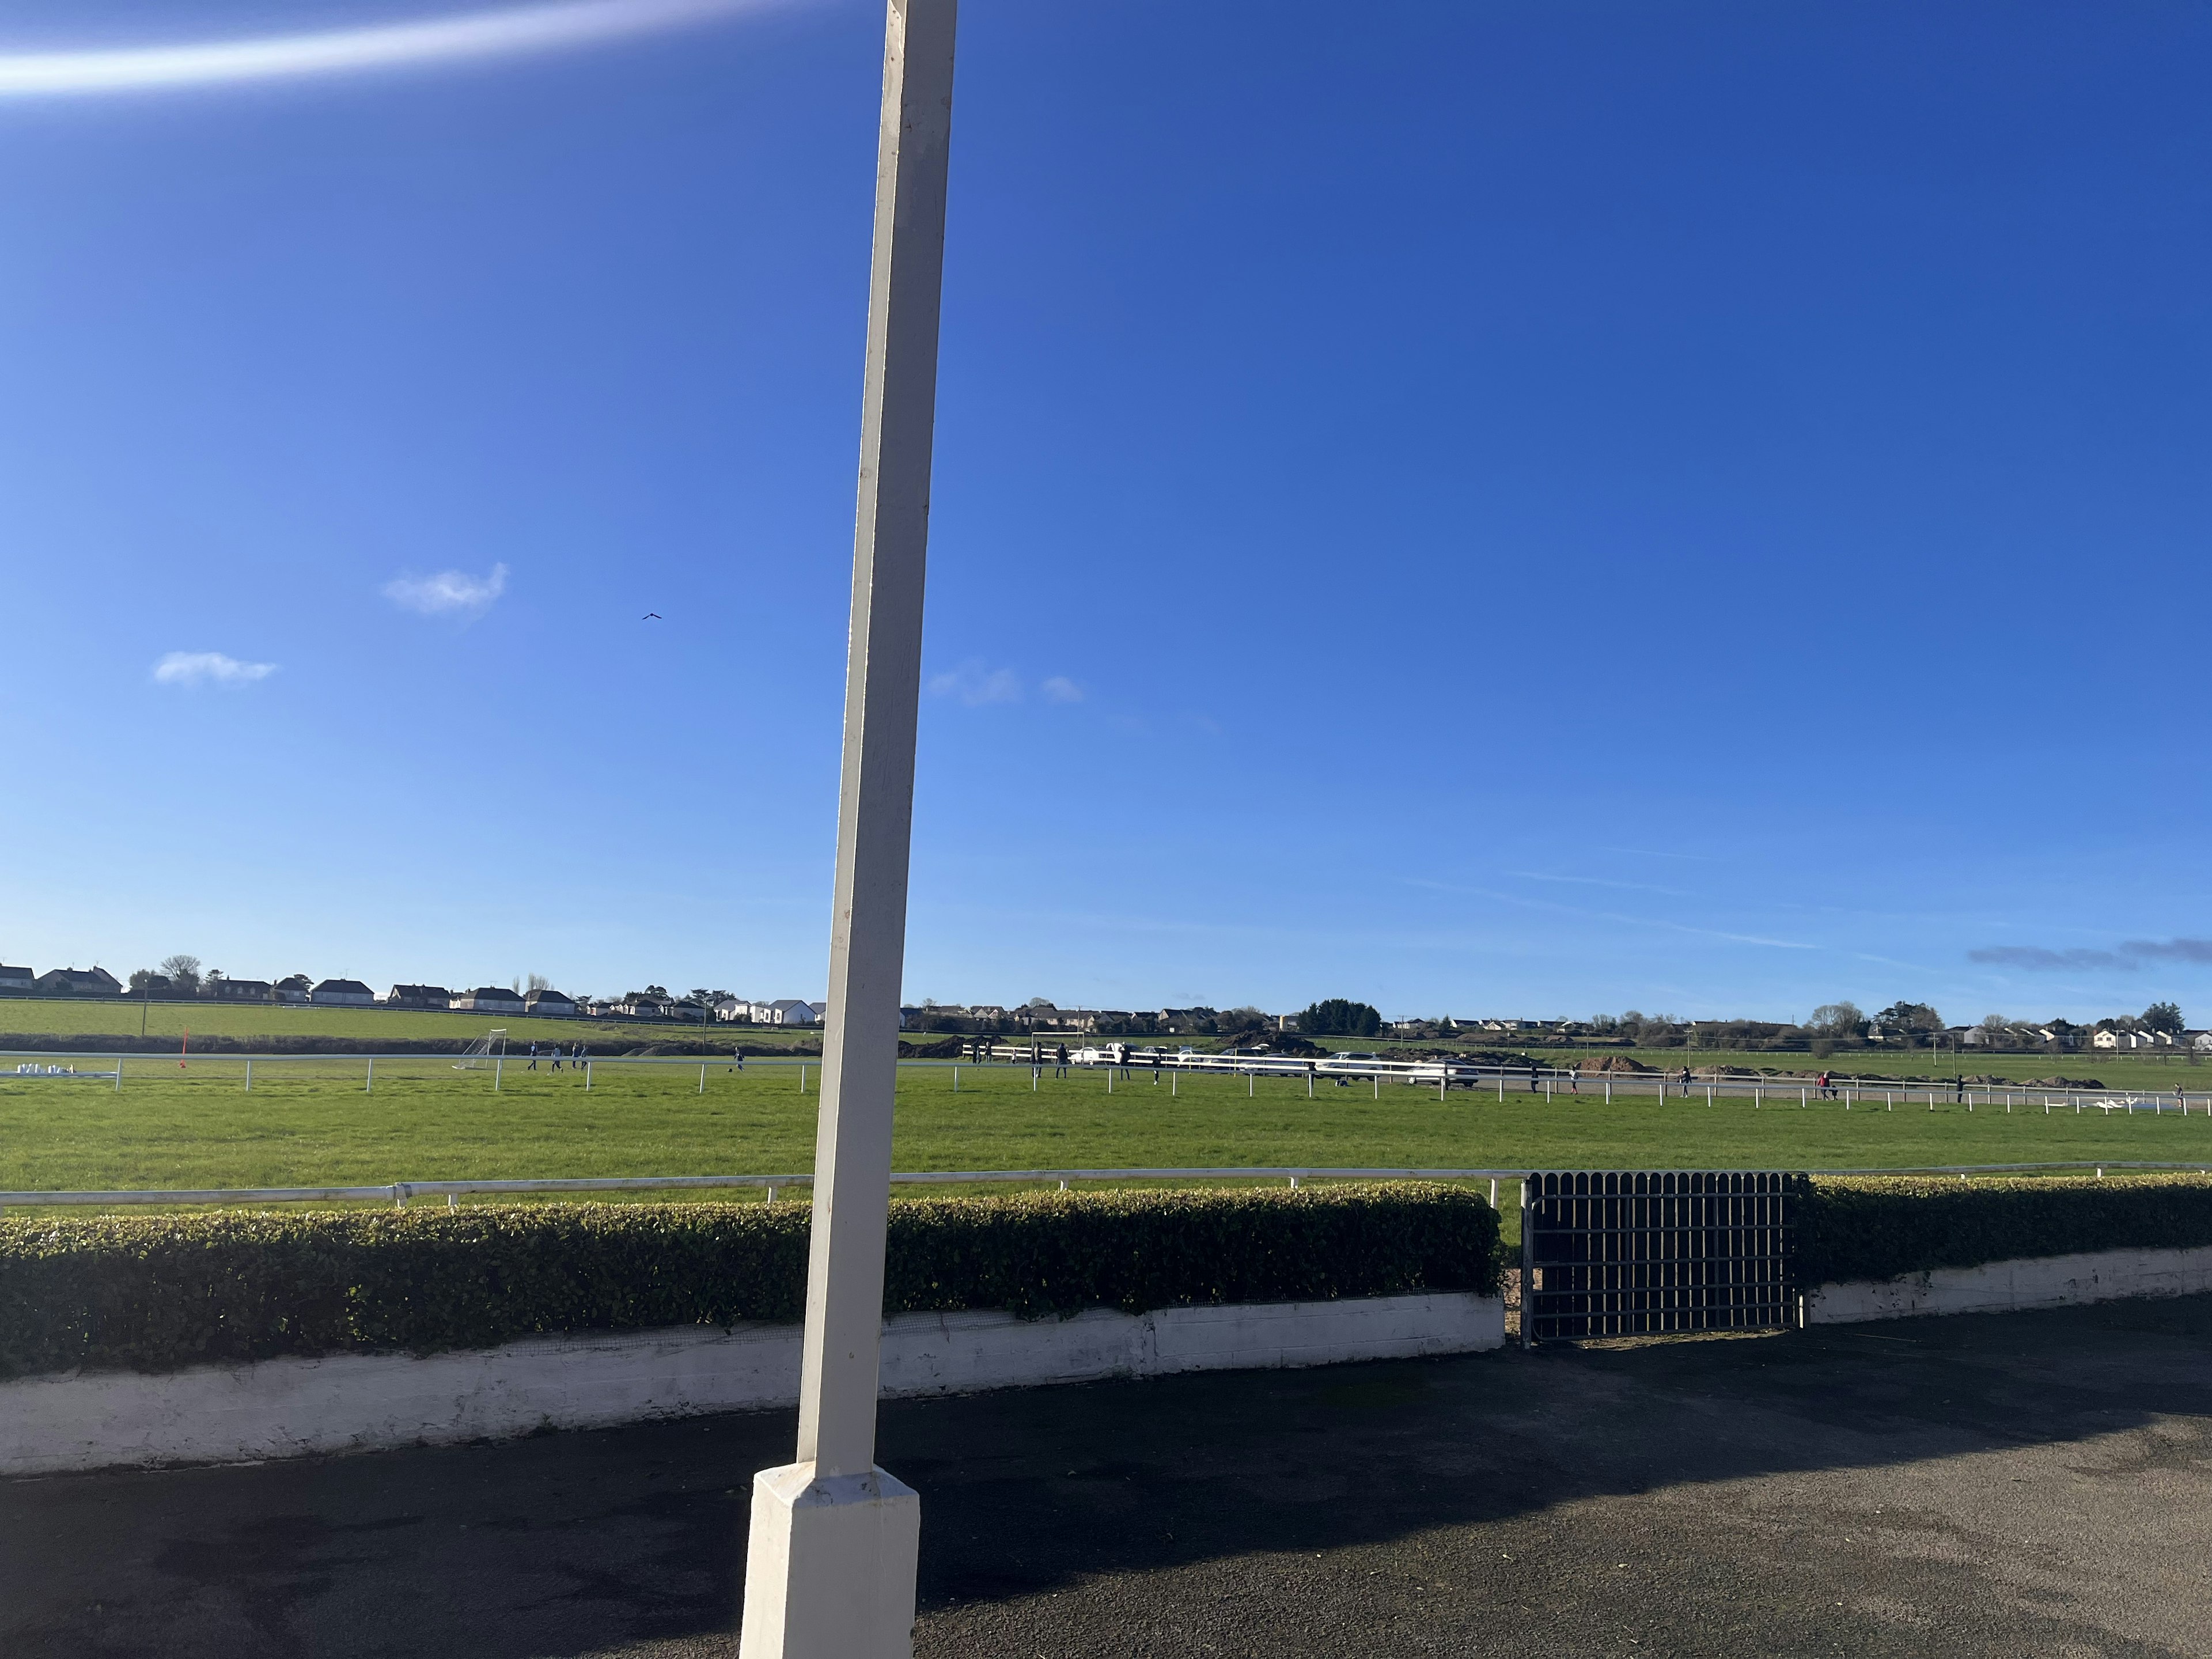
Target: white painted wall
(2050,1281)
(361,1402)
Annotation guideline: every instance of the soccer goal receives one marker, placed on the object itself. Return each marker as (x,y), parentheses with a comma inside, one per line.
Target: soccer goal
(483,1048)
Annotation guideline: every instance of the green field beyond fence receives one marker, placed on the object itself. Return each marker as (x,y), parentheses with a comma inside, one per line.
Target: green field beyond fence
(313,1123)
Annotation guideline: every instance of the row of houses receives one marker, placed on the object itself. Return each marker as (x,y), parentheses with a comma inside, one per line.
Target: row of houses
(299,990)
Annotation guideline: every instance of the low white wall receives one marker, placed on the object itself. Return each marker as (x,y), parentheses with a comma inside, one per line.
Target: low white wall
(359,1402)
(2050,1281)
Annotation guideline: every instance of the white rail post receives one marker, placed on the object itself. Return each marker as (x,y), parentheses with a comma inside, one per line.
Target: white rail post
(498,1064)
(829,1569)
(249,1074)
(587,1074)
(369,1087)
(702,1080)
(118,1074)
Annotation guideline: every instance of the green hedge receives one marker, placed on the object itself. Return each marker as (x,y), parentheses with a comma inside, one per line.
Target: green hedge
(157,1292)
(1883,1226)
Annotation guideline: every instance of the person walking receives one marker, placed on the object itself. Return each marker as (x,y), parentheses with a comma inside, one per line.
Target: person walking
(533,1059)
(556,1058)
(1532,1079)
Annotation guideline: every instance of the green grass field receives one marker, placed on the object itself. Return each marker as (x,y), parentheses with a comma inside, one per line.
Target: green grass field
(59,1018)
(312,1122)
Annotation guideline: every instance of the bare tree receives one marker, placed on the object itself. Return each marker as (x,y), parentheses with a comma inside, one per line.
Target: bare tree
(183,971)
(1835,1019)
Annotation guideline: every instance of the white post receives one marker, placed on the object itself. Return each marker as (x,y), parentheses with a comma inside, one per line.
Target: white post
(702,1080)
(118,1073)
(369,1087)
(956,1077)
(829,1568)
(249,1074)
(802,1077)
(587,1075)
(498,1064)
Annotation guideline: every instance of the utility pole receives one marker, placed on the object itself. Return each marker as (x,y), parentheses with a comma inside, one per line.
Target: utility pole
(829,1569)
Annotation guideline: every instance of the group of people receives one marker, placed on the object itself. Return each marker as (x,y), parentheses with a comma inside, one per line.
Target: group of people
(554,1052)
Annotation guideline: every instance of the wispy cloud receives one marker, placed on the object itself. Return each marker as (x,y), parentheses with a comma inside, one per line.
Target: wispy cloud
(448,593)
(973,684)
(1600,881)
(1614,915)
(2170,949)
(480,34)
(196,668)
(1060,688)
(2035,958)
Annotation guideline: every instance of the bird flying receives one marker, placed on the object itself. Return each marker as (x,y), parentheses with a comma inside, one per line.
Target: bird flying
(651,616)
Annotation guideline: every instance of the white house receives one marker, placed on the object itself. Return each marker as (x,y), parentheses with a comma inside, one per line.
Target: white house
(342,993)
(491,1000)
(784,1011)
(551,1003)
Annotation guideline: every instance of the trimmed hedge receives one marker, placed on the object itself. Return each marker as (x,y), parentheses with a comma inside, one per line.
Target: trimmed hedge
(158,1292)
(1860,1227)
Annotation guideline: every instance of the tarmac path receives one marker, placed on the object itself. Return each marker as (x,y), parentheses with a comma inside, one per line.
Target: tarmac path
(2025,1484)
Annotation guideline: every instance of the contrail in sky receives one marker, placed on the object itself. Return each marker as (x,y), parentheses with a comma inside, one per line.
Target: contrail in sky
(336,52)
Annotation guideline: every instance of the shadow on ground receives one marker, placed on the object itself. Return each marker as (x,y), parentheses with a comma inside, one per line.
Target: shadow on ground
(2029,1483)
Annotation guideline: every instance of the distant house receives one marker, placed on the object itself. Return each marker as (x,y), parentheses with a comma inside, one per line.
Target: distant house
(78,982)
(549,1003)
(17,982)
(418,996)
(236,990)
(342,993)
(639,1005)
(787,1012)
(490,1000)
(2199,1041)
(687,1009)
(738,1011)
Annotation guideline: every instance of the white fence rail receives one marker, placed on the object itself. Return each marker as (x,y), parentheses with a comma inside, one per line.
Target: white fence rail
(1110,1060)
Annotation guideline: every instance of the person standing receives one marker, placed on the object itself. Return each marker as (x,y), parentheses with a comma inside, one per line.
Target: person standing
(1060,1060)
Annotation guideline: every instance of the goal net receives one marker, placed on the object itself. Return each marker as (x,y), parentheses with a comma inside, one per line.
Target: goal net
(481,1051)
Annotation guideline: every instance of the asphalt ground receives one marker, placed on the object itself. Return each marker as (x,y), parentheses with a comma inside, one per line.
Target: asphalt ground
(2026,1484)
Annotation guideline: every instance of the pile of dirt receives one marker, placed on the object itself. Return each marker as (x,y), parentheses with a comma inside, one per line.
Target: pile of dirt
(1258,1042)
(1605,1063)
(2062,1083)
(951,1047)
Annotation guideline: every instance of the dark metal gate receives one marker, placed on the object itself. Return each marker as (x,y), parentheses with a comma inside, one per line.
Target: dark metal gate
(1632,1252)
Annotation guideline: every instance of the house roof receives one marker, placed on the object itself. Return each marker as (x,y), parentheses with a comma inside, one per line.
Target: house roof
(420,991)
(343,985)
(495,993)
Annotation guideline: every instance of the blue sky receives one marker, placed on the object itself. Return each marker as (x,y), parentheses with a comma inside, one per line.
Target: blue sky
(1529,508)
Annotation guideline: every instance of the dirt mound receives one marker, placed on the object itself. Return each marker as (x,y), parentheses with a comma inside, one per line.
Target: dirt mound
(2062,1083)
(951,1047)
(1605,1063)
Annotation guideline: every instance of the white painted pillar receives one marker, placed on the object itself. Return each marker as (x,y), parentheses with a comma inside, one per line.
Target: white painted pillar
(829,1570)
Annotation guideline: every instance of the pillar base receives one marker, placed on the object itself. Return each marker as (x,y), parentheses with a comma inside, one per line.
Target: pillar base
(830,1566)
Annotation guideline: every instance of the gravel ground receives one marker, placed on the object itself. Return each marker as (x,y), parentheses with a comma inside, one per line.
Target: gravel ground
(2029,1484)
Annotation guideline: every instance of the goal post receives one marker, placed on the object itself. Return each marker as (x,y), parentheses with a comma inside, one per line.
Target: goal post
(482,1051)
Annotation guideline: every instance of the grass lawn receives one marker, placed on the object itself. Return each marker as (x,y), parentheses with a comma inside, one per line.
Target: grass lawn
(313,1123)
(123,1017)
